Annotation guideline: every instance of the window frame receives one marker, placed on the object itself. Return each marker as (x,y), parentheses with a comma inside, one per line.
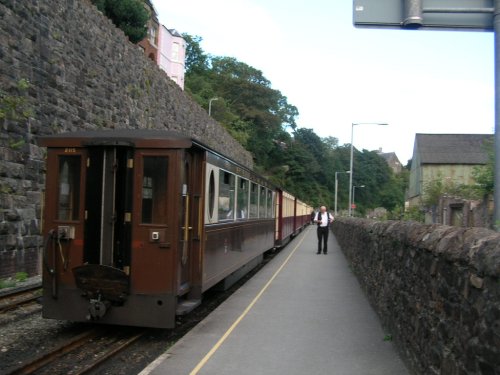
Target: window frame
(77,196)
(164,205)
(242,214)
(230,215)
(262,205)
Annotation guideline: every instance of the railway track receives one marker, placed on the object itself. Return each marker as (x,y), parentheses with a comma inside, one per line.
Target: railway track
(19,297)
(93,349)
(83,353)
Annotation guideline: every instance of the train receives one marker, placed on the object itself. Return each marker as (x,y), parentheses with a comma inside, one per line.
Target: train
(138,224)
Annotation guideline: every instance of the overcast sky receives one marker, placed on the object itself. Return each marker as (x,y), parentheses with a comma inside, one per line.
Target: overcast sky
(335,74)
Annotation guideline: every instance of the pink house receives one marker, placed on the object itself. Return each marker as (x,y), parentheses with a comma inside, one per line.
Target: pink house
(171,54)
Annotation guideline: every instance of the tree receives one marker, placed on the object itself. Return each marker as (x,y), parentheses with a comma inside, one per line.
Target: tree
(129,15)
(331,142)
(197,61)
(260,118)
(485,175)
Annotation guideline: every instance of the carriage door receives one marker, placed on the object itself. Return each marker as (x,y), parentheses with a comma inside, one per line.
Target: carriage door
(108,202)
(191,227)
(186,226)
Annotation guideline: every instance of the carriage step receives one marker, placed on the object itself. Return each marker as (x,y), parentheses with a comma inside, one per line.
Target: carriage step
(185,306)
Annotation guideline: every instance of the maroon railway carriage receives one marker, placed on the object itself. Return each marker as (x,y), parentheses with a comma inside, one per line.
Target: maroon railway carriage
(302,214)
(139,223)
(292,215)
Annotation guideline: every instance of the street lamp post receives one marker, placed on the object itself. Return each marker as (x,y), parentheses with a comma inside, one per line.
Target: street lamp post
(336,187)
(210,105)
(351,161)
(354,191)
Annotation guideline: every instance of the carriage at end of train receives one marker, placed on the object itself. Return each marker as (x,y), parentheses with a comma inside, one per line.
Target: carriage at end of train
(138,224)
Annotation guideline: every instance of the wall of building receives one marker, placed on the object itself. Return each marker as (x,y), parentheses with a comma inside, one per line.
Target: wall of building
(465,213)
(456,173)
(420,175)
(150,43)
(78,72)
(436,290)
(174,67)
(414,185)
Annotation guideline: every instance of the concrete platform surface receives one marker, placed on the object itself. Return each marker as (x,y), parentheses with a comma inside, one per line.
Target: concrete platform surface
(303,313)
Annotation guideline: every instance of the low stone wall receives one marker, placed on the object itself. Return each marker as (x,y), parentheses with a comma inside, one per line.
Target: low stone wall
(436,289)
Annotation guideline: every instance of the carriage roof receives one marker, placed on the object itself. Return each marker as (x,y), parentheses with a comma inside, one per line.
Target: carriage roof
(118,137)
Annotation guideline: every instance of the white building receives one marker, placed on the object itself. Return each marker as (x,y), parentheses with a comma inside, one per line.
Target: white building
(172,54)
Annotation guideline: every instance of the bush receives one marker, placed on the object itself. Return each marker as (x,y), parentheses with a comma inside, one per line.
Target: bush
(129,15)
(21,276)
(414,213)
(7,283)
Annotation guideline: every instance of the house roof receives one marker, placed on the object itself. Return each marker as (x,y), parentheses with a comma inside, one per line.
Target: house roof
(174,32)
(452,148)
(389,155)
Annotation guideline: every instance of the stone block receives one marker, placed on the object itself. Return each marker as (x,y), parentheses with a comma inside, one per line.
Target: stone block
(476,281)
(12,215)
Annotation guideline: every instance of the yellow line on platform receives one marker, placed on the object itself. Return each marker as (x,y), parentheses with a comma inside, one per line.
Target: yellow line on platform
(212,351)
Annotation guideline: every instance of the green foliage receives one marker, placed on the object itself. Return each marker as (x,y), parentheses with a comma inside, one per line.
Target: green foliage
(485,175)
(263,121)
(23,84)
(197,61)
(483,185)
(129,15)
(21,276)
(14,105)
(11,282)
(7,283)
(17,144)
(414,213)
(435,188)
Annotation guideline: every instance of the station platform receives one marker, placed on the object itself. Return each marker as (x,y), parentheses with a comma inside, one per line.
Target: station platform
(303,313)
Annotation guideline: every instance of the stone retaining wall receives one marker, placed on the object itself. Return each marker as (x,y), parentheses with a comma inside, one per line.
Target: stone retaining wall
(436,289)
(69,68)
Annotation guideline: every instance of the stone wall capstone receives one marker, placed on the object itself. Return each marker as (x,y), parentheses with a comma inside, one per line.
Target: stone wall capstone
(436,289)
(65,67)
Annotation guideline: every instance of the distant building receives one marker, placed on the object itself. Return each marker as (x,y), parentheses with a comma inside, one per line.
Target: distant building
(172,54)
(150,43)
(166,47)
(392,160)
(445,156)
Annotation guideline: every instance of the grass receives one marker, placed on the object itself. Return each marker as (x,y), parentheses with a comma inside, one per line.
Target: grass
(21,276)
(12,281)
(7,283)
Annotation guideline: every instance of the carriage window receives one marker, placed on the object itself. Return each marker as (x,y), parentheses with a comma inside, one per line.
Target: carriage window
(254,201)
(262,202)
(154,190)
(211,195)
(270,204)
(226,196)
(242,202)
(69,188)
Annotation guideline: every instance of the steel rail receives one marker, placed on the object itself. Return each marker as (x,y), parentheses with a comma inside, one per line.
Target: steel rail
(10,301)
(59,351)
(112,352)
